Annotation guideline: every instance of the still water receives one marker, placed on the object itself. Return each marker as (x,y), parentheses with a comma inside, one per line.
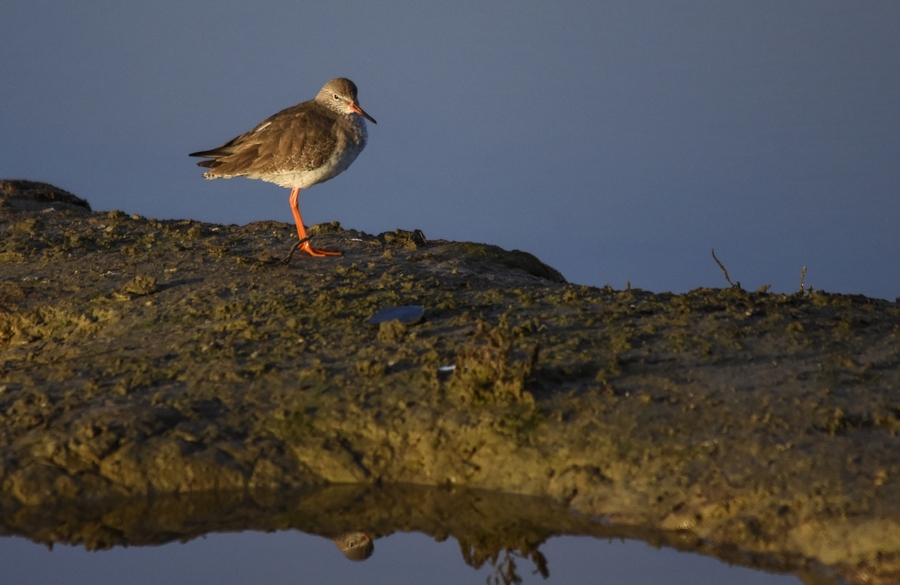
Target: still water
(419,537)
(294,557)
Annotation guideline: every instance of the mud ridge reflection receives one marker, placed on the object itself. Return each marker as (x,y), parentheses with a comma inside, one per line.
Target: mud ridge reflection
(490,527)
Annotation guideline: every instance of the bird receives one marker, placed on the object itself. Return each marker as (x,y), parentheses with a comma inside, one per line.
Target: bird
(298,147)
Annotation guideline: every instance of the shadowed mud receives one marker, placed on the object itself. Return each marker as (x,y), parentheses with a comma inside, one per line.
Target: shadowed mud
(143,357)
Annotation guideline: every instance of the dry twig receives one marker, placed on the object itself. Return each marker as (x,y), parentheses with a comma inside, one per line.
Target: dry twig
(294,247)
(725,272)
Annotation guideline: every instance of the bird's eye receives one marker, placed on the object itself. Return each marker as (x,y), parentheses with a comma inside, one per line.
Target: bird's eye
(337,97)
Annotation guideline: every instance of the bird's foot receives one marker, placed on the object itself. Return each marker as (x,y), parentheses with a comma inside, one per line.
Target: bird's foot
(317,252)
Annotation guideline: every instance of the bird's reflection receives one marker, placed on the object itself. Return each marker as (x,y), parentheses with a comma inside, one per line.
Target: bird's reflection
(359,546)
(356,546)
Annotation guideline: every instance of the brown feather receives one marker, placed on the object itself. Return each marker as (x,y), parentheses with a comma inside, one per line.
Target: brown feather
(299,137)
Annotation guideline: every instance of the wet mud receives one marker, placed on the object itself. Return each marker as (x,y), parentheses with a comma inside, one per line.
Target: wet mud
(142,357)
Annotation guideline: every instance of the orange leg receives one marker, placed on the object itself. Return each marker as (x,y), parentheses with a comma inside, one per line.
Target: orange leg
(301,231)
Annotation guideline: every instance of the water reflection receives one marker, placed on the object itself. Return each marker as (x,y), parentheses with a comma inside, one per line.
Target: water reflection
(356,546)
(500,534)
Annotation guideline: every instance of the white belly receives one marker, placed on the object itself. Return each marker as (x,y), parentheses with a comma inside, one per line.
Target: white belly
(337,164)
(306,179)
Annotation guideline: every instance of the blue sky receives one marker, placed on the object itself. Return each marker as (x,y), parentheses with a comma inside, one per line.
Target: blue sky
(617,141)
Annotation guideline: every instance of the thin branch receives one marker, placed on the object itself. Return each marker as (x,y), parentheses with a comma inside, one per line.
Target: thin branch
(802,278)
(287,259)
(725,272)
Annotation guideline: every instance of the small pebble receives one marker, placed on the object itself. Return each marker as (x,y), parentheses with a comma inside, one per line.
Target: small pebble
(404,314)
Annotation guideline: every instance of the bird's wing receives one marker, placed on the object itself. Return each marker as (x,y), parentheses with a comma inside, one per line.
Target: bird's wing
(301,137)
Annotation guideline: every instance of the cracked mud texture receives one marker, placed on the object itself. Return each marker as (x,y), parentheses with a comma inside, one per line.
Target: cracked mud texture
(140,356)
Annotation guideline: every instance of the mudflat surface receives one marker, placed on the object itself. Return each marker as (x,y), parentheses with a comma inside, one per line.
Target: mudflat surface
(140,356)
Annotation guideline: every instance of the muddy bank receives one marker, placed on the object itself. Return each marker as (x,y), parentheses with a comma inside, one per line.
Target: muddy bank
(140,356)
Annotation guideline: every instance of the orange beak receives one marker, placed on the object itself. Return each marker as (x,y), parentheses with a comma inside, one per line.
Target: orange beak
(360,111)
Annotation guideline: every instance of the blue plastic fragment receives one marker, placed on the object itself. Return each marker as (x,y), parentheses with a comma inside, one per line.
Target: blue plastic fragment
(404,314)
